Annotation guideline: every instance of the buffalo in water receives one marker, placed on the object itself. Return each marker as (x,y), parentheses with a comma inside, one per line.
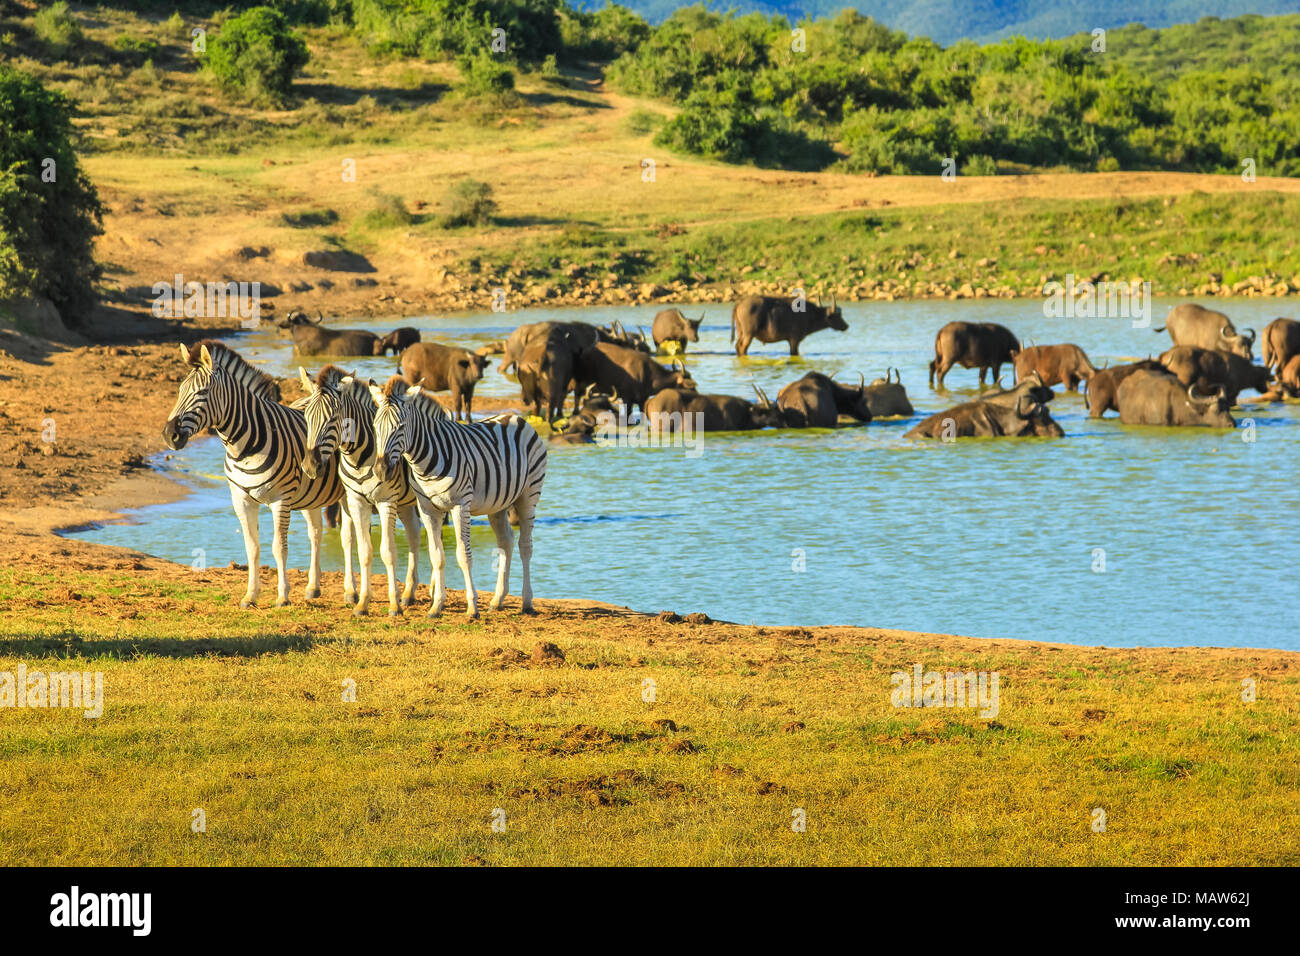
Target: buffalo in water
(1191,324)
(1281,341)
(1101,395)
(614,332)
(397,341)
(669,408)
(983,419)
(312,338)
(982,345)
(1208,368)
(548,366)
(1066,365)
(629,372)
(1289,378)
(887,398)
(444,368)
(818,401)
(670,325)
(594,409)
(1158,398)
(768,318)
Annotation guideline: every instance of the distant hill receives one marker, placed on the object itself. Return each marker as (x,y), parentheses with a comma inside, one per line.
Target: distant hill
(948,21)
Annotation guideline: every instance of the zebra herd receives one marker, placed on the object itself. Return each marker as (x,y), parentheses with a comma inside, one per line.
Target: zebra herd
(391,449)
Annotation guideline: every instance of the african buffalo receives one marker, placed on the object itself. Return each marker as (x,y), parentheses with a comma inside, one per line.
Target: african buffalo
(886,398)
(667,409)
(981,419)
(1281,341)
(547,367)
(596,409)
(671,326)
(982,345)
(631,373)
(1289,379)
(1191,324)
(312,338)
(615,333)
(773,319)
(1055,364)
(818,401)
(1158,398)
(1206,368)
(1100,395)
(397,341)
(444,367)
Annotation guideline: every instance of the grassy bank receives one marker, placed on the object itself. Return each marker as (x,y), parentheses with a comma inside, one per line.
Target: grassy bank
(241,715)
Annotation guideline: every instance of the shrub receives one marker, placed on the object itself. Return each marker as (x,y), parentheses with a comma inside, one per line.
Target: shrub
(482,74)
(47,229)
(981,165)
(388,212)
(256,54)
(58,30)
(468,203)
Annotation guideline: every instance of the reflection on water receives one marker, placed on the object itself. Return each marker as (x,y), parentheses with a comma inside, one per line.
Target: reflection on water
(981,537)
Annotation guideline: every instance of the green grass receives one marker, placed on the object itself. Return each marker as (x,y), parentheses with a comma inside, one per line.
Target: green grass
(242,714)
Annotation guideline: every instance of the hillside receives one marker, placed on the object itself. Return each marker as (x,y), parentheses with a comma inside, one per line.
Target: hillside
(948,21)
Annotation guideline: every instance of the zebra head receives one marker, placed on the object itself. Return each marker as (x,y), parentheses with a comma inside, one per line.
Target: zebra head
(192,411)
(322,414)
(392,424)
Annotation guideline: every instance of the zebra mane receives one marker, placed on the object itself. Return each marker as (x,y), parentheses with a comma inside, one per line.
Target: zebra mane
(234,364)
(331,375)
(396,389)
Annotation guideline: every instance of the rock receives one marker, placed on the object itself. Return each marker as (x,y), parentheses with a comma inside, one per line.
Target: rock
(337,260)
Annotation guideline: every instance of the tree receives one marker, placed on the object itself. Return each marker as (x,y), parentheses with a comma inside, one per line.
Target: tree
(257,54)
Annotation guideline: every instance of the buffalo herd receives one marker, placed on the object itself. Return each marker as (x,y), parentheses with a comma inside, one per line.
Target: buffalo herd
(611,371)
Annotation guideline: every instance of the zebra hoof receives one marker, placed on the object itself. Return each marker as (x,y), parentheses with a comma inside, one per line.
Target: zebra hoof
(394,612)
(311,594)
(248,603)
(349,599)
(360,611)
(282,602)
(527,609)
(471,615)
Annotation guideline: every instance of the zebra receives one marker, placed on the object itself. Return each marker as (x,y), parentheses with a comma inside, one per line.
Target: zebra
(264,443)
(486,467)
(340,416)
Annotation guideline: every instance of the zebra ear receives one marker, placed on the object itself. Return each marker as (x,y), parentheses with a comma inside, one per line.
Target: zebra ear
(306,379)
(205,357)
(185,354)
(413,391)
(376,393)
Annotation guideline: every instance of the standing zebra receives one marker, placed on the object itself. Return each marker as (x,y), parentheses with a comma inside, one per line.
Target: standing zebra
(264,445)
(340,415)
(482,468)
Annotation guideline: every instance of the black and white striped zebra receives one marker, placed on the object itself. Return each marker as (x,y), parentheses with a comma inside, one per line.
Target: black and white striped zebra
(487,467)
(340,416)
(264,443)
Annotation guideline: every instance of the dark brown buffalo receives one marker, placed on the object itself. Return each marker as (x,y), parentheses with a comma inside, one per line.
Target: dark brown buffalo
(982,345)
(630,373)
(773,319)
(1031,387)
(397,341)
(1158,398)
(1289,378)
(614,332)
(597,409)
(1281,341)
(818,401)
(1207,368)
(548,366)
(671,326)
(887,398)
(518,340)
(1191,324)
(441,368)
(1066,365)
(667,410)
(312,338)
(1103,388)
(1024,417)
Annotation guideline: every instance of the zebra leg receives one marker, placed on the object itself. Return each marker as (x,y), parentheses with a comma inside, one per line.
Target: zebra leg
(280,549)
(431,518)
(347,531)
(246,509)
(411,522)
(365,550)
(505,545)
(465,557)
(388,548)
(526,510)
(314,529)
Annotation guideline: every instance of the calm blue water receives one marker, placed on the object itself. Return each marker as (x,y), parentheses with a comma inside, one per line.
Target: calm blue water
(986,538)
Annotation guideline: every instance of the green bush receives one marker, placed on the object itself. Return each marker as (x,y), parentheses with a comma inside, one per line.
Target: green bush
(58,30)
(388,212)
(468,203)
(482,74)
(47,229)
(981,165)
(257,55)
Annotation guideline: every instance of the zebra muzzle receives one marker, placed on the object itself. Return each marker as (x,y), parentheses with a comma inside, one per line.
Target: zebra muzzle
(173,437)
